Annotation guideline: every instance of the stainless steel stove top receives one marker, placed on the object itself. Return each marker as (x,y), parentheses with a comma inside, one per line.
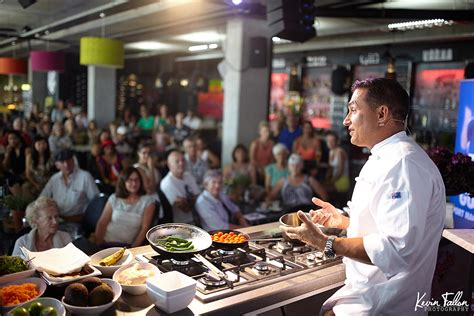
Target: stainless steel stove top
(260,264)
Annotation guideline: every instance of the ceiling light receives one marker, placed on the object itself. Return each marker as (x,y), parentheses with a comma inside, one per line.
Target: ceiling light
(197,48)
(403,26)
(25,87)
(148,45)
(212,46)
(236,2)
(201,37)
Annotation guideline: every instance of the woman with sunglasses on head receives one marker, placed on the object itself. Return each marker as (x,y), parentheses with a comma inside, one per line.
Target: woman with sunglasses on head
(128,214)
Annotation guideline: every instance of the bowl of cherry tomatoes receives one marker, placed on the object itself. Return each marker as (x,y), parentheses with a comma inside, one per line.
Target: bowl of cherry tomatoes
(229,239)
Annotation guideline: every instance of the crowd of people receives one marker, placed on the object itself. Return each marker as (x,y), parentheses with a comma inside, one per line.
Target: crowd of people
(173,177)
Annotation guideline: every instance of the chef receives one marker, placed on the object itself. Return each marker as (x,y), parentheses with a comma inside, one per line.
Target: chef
(396,213)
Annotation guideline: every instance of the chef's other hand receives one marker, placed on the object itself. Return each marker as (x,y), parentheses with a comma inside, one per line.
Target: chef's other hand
(328,215)
(308,232)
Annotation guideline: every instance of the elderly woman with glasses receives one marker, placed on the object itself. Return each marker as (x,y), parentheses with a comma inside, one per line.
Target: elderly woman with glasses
(215,209)
(43,216)
(128,213)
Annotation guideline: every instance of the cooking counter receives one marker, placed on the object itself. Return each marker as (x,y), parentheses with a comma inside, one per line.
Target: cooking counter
(251,302)
(462,237)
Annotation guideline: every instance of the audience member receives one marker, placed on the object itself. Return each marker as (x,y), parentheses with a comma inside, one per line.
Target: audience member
(39,165)
(308,146)
(122,145)
(109,163)
(179,132)
(338,176)
(58,114)
(43,217)
(93,132)
(297,190)
(58,140)
(72,188)
(128,214)
(215,209)
(180,188)
(14,162)
(194,165)
(261,150)
(145,165)
(162,119)
(207,155)
(146,121)
(240,174)
(192,121)
(291,132)
(275,171)
(17,125)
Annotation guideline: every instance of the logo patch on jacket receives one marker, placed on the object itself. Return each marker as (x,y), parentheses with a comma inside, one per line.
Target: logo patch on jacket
(395,195)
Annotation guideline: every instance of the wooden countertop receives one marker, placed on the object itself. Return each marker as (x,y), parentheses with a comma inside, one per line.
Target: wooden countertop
(462,237)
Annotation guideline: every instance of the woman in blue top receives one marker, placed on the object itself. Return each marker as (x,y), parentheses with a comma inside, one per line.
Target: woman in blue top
(277,170)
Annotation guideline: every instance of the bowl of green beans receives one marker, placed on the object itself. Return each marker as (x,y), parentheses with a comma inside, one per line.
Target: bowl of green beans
(177,240)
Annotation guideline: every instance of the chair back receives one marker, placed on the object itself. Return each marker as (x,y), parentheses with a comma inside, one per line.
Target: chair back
(93,212)
(167,209)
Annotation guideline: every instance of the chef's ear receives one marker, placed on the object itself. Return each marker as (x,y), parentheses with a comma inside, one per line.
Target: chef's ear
(382,115)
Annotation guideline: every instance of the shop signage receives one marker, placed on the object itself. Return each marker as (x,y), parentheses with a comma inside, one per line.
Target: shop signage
(438,54)
(316,61)
(369,59)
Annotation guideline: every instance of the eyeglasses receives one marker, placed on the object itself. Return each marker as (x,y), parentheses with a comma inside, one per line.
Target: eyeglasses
(133,180)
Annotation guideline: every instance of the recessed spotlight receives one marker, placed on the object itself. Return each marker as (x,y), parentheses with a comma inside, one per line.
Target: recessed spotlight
(102,15)
(148,45)
(212,46)
(197,48)
(236,2)
(201,37)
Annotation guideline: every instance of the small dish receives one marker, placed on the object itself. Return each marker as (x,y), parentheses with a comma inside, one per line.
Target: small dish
(136,289)
(96,310)
(16,276)
(46,302)
(108,271)
(40,284)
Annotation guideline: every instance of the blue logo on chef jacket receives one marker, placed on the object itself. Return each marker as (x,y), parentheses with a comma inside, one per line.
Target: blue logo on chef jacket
(395,195)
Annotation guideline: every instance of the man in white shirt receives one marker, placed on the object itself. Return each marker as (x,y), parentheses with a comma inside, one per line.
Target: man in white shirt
(396,213)
(191,120)
(180,188)
(72,188)
(194,164)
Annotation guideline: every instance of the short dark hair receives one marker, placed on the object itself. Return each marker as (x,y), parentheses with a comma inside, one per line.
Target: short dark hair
(385,91)
(242,147)
(121,190)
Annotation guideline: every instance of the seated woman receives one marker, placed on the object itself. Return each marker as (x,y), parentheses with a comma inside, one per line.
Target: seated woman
(109,163)
(261,150)
(297,190)
(308,146)
(128,214)
(43,217)
(240,174)
(338,177)
(215,209)
(150,175)
(277,170)
(39,165)
(14,161)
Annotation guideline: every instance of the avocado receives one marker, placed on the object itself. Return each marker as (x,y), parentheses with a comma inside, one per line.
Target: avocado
(91,283)
(76,294)
(101,295)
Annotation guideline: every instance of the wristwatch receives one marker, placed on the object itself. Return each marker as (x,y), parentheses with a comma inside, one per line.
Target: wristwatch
(329,248)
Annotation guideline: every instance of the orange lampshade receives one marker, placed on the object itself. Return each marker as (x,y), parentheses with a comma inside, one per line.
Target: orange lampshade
(12,66)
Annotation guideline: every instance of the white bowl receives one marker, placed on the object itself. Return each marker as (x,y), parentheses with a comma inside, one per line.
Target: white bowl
(39,283)
(140,288)
(16,276)
(96,310)
(171,291)
(108,271)
(46,301)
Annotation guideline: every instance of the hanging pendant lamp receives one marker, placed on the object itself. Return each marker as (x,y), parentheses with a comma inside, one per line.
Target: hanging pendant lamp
(100,51)
(47,61)
(12,66)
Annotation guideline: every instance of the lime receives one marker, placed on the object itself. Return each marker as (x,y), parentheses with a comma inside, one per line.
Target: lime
(35,308)
(48,311)
(20,311)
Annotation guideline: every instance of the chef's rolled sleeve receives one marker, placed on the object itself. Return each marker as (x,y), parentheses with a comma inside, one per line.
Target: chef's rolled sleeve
(400,211)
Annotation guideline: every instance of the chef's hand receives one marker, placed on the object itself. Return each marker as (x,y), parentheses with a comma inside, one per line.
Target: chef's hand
(328,215)
(307,232)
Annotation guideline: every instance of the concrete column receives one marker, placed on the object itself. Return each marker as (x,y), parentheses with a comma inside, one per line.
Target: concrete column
(39,89)
(246,89)
(101,94)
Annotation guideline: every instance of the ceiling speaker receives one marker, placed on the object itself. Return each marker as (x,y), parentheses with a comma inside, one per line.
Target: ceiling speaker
(26,3)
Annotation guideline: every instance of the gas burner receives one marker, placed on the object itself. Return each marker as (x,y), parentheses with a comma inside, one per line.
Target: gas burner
(261,267)
(226,252)
(208,280)
(284,245)
(179,263)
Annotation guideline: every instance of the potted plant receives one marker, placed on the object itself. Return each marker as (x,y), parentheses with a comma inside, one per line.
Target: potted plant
(456,169)
(17,205)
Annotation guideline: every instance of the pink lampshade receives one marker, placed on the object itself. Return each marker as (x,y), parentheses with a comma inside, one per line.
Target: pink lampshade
(47,61)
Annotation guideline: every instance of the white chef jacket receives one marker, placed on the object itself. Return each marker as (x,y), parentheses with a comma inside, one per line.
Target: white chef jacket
(398,207)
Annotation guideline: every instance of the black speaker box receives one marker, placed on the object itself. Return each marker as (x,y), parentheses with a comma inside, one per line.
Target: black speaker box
(258,52)
(340,80)
(469,71)
(26,3)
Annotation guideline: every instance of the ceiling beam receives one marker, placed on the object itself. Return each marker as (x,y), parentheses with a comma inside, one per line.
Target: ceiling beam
(463,15)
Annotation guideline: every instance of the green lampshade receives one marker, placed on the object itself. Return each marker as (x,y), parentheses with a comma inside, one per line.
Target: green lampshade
(101,52)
